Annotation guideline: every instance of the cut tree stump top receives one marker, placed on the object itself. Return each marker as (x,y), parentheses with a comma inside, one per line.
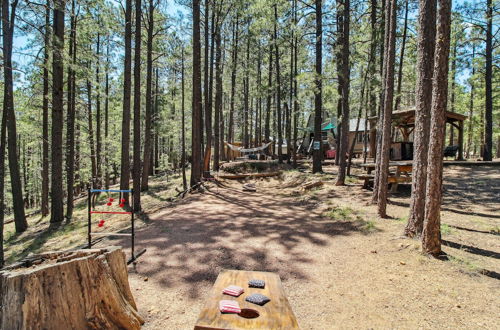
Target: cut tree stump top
(276,314)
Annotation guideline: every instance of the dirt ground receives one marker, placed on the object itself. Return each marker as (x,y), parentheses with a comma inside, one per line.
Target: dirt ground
(340,265)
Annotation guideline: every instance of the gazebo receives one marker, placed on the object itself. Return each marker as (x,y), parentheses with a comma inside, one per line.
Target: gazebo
(404,121)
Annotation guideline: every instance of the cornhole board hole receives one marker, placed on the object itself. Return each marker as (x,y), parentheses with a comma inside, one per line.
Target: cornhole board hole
(276,314)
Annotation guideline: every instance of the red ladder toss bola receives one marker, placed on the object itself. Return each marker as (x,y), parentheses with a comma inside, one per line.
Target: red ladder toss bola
(120,202)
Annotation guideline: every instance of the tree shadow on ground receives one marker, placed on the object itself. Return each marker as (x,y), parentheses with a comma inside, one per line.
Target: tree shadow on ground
(472,249)
(231,229)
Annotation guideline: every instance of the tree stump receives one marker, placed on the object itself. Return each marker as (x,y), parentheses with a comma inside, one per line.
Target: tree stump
(82,289)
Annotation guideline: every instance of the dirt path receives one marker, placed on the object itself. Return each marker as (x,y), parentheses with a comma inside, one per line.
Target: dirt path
(352,272)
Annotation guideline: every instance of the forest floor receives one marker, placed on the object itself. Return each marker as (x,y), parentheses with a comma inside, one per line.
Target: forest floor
(341,265)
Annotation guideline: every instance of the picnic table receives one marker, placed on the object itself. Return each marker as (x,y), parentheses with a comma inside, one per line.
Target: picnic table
(276,314)
(401,175)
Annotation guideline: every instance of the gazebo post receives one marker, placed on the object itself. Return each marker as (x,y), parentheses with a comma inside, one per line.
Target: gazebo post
(460,140)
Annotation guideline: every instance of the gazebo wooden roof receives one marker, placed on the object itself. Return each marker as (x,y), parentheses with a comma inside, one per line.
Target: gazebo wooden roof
(405,121)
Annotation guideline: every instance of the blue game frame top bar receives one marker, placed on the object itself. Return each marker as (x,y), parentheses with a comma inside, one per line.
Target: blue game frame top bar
(110,190)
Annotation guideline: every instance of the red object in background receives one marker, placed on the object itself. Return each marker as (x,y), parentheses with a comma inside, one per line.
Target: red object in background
(122,205)
(101,223)
(122,200)
(111,199)
(330,154)
(109,204)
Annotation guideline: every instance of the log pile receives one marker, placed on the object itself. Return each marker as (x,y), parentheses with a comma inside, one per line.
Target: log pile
(82,289)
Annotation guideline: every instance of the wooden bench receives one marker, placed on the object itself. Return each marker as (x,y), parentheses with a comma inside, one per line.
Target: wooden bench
(276,314)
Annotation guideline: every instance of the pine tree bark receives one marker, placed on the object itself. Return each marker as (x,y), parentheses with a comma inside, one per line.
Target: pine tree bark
(431,236)
(106,119)
(278,86)
(3,142)
(471,104)
(70,129)
(246,91)
(45,115)
(391,11)
(183,125)
(295,89)
(136,169)
(57,193)
(149,99)
(98,111)
(488,65)
(318,99)
(8,24)
(425,64)
(345,73)
(267,125)
(127,88)
(373,77)
(218,94)
(401,58)
(230,130)
(90,118)
(196,99)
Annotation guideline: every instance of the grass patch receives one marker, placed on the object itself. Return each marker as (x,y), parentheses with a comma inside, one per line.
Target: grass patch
(340,213)
(350,215)
(445,229)
(351,179)
(402,219)
(464,263)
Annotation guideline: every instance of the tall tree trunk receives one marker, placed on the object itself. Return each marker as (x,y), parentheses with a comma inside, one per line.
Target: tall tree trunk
(106,119)
(196,99)
(208,108)
(57,193)
(401,58)
(230,131)
(267,125)
(358,119)
(70,129)
(183,126)
(318,100)
(295,95)
(431,236)
(246,91)
(278,85)
(8,23)
(345,73)
(218,94)
(98,111)
(45,115)
(206,69)
(488,109)
(149,100)
(373,77)
(136,169)
(258,118)
(3,141)
(383,169)
(127,88)
(425,64)
(93,159)
(471,103)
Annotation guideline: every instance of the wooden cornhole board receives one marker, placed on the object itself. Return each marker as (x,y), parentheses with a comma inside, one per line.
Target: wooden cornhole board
(276,314)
